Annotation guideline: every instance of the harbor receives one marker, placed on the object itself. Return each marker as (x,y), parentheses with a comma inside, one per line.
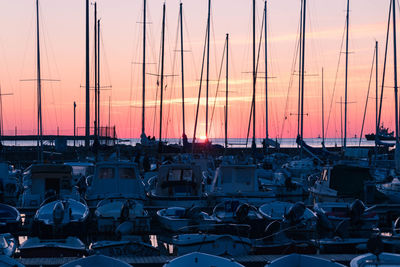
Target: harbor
(181,156)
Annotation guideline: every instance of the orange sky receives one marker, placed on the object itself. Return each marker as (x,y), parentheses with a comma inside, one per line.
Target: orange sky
(63,46)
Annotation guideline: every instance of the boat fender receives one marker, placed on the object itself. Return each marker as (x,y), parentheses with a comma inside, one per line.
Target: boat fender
(242,212)
(58,213)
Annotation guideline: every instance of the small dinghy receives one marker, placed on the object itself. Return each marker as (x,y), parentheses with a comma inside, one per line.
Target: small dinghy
(181,219)
(6,261)
(61,217)
(98,261)
(383,259)
(201,259)
(110,213)
(10,219)
(236,212)
(124,248)
(211,244)
(299,260)
(276,211)
(41,248)
(7,245)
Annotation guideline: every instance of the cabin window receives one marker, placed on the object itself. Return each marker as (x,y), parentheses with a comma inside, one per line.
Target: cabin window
(187,175)
(127,173)
(106,173)
(174,175)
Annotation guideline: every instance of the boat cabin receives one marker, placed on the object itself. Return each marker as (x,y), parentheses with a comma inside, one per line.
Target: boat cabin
(115,180)
(44,180)
(233,179)
(175,180)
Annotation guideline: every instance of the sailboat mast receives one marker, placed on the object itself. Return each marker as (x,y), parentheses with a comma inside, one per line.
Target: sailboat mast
(98,77)
(395,74)
(208,63)
(253,144)
(39,89)
(302,73)
(162,70)
(87,121)
(266,75)
(376,96)
(143,135)
(226,90)
(323,115)
(95,70)
(347,61)
(182,74)
(300,51)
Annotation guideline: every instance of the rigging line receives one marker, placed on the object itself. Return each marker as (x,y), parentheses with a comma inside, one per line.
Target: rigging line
(291,80)
(366,101)
(45,40)
(199,95)
(384,63)
(257,65)
(336,77)
(216,93)
(173,79)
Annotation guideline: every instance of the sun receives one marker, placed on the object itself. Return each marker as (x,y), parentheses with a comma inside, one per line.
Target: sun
(203,138)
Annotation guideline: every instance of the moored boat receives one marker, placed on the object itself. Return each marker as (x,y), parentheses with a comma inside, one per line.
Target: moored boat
(383,259)
(299,260)
(98,261)
(10,219)
(34,247)
(201,259)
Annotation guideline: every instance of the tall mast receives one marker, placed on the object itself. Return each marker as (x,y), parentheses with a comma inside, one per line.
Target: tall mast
(143,135)
(376,96)
(95,71)
(208,63)
(183,77)
(87,121)
(323,116)
(302,73)
(162,70)
(395,74)
(266,75)
(347,61)
(253,144)
(39,89)
(226,90)
(300,51)
(98,77)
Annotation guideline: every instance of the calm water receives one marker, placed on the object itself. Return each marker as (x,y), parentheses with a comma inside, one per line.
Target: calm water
(233,142)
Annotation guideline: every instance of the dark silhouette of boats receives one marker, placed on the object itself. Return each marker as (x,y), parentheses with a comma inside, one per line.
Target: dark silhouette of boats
(383,134)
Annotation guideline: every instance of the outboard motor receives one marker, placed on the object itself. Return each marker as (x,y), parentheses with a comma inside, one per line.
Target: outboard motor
(242,211)
(58,213)
(296,213)
(357,209)
(125,212)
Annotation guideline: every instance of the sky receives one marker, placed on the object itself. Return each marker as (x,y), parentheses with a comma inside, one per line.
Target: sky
(63,59)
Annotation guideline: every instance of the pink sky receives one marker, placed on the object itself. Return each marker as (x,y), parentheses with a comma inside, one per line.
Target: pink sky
(63,43)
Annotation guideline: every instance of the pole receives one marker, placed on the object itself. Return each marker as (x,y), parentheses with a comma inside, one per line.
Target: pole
(184,137)
(162,71)
(266,76)
(143,135)
(39,89)
(98,77)
(87,121)
(74,122)
(395,73)
(253,144)
(376,98)
(95,71)
(323,115)
(208,63)
(300,51)
(347,61)
(302,74)
(226,90)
